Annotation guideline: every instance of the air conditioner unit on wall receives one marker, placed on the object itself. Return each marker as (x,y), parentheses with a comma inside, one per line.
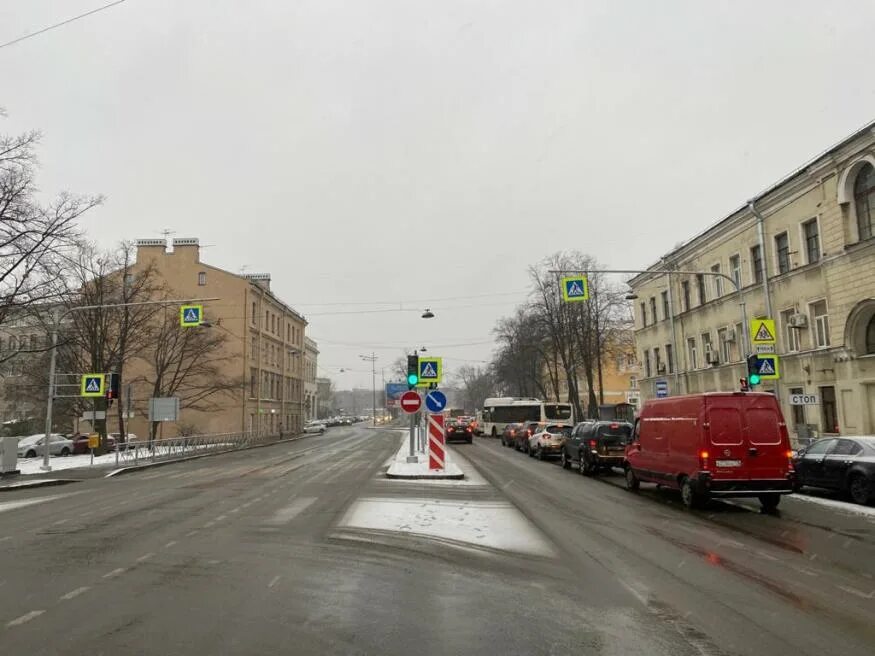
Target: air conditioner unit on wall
(798,320)
(729,335)
(711,357)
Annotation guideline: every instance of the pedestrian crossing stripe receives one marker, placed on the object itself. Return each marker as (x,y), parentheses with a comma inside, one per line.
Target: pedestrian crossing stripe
(575,288)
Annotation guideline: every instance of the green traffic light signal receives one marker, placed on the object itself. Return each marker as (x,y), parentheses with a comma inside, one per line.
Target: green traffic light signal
(412,379)
(754,379)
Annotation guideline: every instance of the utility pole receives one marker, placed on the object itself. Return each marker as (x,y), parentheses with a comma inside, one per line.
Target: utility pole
(372,358)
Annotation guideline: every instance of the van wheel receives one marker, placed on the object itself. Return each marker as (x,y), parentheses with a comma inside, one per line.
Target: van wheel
(769,501)
(566,463)
(690,497)
(632,482)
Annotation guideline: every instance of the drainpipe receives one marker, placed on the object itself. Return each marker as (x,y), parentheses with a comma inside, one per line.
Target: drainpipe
(761,233)
(675,355)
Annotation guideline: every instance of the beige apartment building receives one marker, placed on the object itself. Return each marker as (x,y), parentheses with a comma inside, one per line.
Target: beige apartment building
(265,344)
(311,396)
(803,253)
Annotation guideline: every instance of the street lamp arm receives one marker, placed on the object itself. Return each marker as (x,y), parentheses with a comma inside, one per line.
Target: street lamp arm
(660,271)
(170,301)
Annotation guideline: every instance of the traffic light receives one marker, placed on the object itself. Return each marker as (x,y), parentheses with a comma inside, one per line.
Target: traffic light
(744,386)
(753,371)
(112,387)
(412,371)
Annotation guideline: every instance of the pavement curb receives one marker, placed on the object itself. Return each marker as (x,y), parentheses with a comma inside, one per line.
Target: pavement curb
(426,477)
(26,485)
(135,468)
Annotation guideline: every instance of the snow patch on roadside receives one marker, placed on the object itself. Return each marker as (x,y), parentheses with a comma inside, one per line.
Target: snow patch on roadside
(496,525)
(400,467)
(850,508)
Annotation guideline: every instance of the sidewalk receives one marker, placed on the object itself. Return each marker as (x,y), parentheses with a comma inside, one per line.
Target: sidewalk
(400,468)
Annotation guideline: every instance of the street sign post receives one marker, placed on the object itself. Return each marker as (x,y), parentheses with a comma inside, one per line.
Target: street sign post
(661,388)
(803,399)
(574,289)
(435,401)
(411,402)
(430,371)
(92,385)
(191,315)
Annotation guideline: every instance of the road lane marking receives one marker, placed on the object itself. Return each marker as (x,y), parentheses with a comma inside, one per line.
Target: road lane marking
(221,517)
(274,581)
(234,510)
(190,533)
(295,508)
(856,592)
(74,593)
(145,557)
(60,521)
(115,572)
(5,537)
(208,524)
(27,617)
(170,544)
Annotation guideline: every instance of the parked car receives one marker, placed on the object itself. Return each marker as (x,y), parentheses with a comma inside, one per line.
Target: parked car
(527,429)
(548,442)
(597,446)
(846,464)
(508,435)
(315,427)
(80,443)
(721,444)
(34,445)
(458,430)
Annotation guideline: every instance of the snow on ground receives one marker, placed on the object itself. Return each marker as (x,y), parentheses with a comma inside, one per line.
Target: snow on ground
(850,508)
(400,467)
(496,524)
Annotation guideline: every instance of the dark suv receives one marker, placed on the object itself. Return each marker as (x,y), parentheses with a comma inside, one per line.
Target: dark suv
(596,445)
(508,435)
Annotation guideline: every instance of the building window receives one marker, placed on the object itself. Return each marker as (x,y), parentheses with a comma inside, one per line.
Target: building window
(288,332)
(633,382)
(666,310)
(647,372)
(864,201)
(820,323)
(254,348)
(718,281)
(700,283)
(706,348)
(737,343)
(653,318)
(669,358)
(202,278)
(685,293)
(828,409)
(693,353)
(790,334)
(253,313)
(657,361)
(735,269)
(798,410)
(643,307)
(870,336)
(725,345)
(756,263)
(812,241)
(129,279)
(253,382)
(782,252)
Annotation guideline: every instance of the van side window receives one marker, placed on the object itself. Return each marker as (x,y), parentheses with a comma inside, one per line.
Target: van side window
(636,433)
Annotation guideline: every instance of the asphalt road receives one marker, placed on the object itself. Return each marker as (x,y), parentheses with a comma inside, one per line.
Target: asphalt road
(292,549)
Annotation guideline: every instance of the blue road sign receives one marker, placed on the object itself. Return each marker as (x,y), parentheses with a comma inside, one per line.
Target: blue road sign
(661,388)
(435,401)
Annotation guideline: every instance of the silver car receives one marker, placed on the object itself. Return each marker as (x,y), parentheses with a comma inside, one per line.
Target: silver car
(315,427)
(32,446)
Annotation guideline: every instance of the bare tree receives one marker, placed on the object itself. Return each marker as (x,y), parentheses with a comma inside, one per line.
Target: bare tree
(475,385)
(34,238)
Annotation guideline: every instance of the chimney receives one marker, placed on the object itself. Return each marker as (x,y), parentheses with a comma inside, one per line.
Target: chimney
(260,279)
(188,247)
(149,249)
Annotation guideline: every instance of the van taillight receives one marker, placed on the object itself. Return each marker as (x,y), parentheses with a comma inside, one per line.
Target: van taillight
(703,459)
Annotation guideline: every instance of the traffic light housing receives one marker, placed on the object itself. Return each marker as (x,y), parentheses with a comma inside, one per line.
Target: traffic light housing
(412,371)
(112,388)
(744,385)
(753,373)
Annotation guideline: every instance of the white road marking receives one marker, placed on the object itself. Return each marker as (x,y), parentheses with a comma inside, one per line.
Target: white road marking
(145,557)
(235,510)
(190,533)
(60,521)
(274,581)
(115,572)
(208,524)
(856,592)
(5,537)
(27,617)
(295,508)
(170,544)
(221,517)
(12,505)
(74,593)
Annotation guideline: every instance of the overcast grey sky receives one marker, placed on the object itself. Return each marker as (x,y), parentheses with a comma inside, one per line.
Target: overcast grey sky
(412,150)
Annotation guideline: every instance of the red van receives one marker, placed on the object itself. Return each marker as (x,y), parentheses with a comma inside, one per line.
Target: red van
(722,444)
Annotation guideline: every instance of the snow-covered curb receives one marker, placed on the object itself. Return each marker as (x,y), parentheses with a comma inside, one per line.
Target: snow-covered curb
(400,468)
(850,508)
(37,482)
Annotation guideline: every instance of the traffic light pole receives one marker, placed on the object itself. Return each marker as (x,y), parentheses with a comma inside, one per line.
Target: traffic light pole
(53,356)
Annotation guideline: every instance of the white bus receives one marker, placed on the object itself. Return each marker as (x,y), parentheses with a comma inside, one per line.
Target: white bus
(499,412)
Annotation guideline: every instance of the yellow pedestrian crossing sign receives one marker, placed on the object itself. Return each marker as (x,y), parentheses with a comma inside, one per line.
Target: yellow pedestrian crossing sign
(191,315)
(762,331)
(92,385)
(430,370)
(575,288)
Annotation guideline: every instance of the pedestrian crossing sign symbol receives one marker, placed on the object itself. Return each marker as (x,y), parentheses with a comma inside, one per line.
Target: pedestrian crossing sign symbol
(191,315)
(762,331)
(575,288)
(92,385)
(430,370)
(767,367)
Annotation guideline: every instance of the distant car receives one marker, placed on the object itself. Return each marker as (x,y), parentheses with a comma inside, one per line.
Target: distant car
(527,429)
(548,442)
(846,464)
(597,446)
(458,430)
(508,435)
(34,445)
(315,427)
(80,443)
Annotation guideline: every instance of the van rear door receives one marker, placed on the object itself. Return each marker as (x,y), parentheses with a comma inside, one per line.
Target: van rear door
(768,444)
(725,427)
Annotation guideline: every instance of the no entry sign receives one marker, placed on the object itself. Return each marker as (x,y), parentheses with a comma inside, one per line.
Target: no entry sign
(411,402)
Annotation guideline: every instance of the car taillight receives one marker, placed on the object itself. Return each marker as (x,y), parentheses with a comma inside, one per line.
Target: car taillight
(703,459)
(528,433)
(452,429)
(615,425)
(468,430)
(512,433)
(592,444)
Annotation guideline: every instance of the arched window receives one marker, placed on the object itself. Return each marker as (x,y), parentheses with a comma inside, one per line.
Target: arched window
(870,336)
(864,201)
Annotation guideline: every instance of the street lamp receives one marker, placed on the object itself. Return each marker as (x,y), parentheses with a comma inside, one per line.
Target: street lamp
(372,358)
(428,314)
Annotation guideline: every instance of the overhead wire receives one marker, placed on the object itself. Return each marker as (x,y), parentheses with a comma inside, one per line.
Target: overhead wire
(61,24)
